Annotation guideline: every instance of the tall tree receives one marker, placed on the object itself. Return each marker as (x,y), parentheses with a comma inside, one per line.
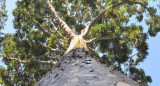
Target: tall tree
(48,29)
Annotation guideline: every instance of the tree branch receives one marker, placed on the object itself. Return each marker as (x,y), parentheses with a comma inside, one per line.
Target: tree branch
(84,17)
(51,49)
(41,27)
(101,3)
(61,23)
(100,38)
(133,55)
(56,29)
(68,10)
(113,6)
(77,11)
(93,51)
(27,61)
(59,40)
(47,16)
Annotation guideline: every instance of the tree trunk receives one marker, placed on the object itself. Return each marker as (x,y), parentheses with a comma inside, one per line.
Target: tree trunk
(81,68)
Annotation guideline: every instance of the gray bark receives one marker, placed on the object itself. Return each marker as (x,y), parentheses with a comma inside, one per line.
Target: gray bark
(81,68)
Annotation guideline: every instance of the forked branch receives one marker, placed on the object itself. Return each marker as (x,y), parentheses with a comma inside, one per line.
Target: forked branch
(113,6)
(100,38)
(61,23)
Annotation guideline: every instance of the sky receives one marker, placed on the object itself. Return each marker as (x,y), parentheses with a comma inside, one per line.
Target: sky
(150,65)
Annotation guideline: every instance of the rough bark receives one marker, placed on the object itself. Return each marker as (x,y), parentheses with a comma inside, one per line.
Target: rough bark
(81,68)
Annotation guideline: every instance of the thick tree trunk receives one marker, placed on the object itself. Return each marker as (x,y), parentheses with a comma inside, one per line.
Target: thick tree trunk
(81,68)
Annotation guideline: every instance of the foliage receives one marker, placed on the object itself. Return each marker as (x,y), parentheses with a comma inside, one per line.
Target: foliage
(3,18)
(32,21)
(3,12)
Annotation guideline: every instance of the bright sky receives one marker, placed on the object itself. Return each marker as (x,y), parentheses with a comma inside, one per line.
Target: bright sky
(150,65)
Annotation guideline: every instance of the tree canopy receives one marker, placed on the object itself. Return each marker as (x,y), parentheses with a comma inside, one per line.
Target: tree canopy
(46,29)
(3,18)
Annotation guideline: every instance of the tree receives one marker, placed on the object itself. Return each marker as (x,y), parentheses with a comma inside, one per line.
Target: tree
(47,30)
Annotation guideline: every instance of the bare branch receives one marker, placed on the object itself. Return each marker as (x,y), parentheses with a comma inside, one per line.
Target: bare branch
(113,6)
(61,23)
(51,49)
(27,61)
(100,38)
